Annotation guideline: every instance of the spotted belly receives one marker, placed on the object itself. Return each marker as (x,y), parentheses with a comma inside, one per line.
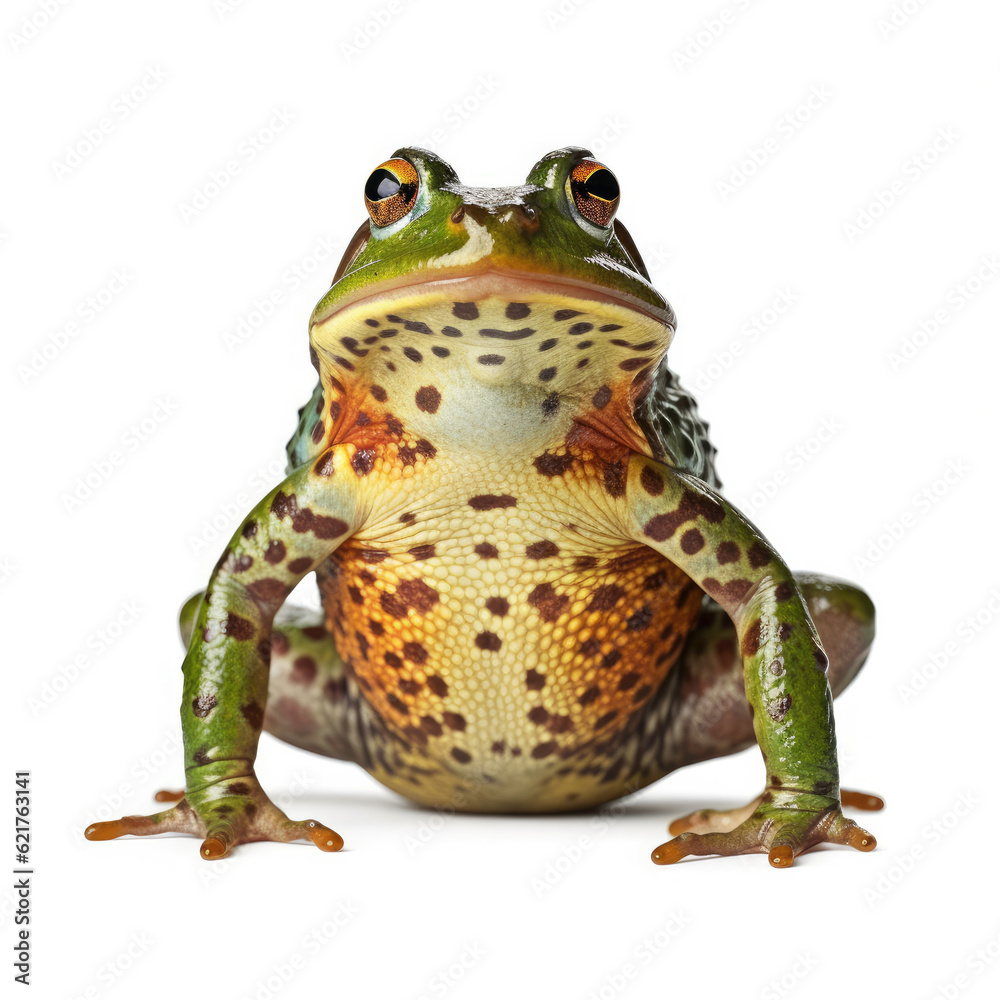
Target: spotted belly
(504,670)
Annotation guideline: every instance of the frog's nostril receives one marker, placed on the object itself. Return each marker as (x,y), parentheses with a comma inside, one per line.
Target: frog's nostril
(458,214)
(525,217)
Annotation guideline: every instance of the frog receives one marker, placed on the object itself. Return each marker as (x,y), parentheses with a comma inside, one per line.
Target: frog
(535,597)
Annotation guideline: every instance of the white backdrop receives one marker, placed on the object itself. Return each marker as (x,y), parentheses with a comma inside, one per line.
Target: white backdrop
(814,188)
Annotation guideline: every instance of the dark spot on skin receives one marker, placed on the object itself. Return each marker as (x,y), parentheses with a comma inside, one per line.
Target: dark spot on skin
(416,327)
(319,431)
(267,591)
(538,715)
(438,685)
(275,552)
(491,501)
(610,659)
(303,670)
(430,725)
(577,328)
(758,555)
(547,345)
(454,721)
(314,357)
(507,334)
(606,597)
(422,551)
(498,606)
(641,694)
(428,399)
(486,551)
(640,620)
(630,364)
(491,359)
(605,719)
(300,565)
(407,518)
(727,552)
(324,467)
(238,788)
(628,681)
(254,715)
(465,310)
(542,550)
(440,352)
(550,605)
(201,756)
(249,529)
(374,555)
(602,397)
(550,405)
(393,660)
(204,704)
(534,681)
(651,481)
(608,327)
(584,344)
(584,562)
(547,374)
(415,652)
(363,461)
(279,643)
(544,749)
(413,354)
(409,594)
(692,505)
(238,628)
(397,703)
(692,541)
(655,580)
(591,647)
(498,746)
(785,631)
(561,314)
(583,362)
(783,591)
(450,331)
(614,479)
(488,641)
(409,686)
(753,638)
(394,425)
(517,310)
(412,733)
(778,708)
(460,755)
(379,393)
(590,695)
(553,465)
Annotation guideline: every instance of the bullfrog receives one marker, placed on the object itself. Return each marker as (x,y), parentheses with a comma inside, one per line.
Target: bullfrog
(535,597)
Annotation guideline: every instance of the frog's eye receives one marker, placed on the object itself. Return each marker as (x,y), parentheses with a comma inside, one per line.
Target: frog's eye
(595,192)
(391,191)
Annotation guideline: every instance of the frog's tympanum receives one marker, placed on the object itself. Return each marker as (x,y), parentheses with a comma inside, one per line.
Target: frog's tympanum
(534,596)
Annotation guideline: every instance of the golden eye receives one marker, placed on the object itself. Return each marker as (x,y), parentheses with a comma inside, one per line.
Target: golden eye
(595,191)
(391,191)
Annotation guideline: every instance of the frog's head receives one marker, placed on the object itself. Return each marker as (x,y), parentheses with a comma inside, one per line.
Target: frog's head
(532,284)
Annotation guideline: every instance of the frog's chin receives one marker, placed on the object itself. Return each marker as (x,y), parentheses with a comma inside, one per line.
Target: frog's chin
(499,283)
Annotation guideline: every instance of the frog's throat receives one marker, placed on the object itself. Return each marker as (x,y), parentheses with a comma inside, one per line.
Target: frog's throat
(499,327)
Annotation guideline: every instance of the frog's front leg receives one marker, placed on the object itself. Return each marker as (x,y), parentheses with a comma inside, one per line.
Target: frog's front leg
(784,666)
(294,529)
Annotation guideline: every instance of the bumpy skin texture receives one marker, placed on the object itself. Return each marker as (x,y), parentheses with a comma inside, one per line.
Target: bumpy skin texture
(534,597)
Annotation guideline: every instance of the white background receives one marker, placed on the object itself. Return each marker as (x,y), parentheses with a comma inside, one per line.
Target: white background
(812,410)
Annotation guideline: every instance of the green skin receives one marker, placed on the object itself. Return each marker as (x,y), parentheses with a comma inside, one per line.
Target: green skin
(665,506)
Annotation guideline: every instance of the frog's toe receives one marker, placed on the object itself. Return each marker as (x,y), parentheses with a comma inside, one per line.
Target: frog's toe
(783,832)
(180,819)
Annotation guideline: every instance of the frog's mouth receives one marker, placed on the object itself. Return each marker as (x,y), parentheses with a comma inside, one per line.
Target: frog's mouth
(505,326)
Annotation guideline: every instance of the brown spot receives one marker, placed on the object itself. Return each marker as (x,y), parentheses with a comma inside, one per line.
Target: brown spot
(267,591)
(454,721)
(602,397)
(541,550)
(363,461)
(498,746)
(462,756)
(275,552)
(238,788)
(324,466)
(753,638)
(415,652)
(417,595)
(628,681)
(303,670)
(591,647)
(201,756)
(430,725)
(640,620)
(550,605)
(550,405)
(249,529)
(409,686)
(413,354)
(553,465)
(393,660)
(254,715)
(544,749)
(279,643)
(822,660)
(561,314)
(422,552)
(517,310)
(727,552)
(407,518)
(299,565)
(590,695)
(204,704)
(488,641)
(379,393)
(783,591)
(726,593)
(605,719)
(428,399)
(785,631)
(692,541)
(498,606)
(778,708)
(630,364)
(486,551)
(651,481)
(397,703)
(610,659)
(759,555)
(538,715)
(533,680)
(465,310)
(614,478)
(237,628)
(242,564)
(691,506)
(641,694)
(606,597)
(438,685)
(491,501)
(547,374)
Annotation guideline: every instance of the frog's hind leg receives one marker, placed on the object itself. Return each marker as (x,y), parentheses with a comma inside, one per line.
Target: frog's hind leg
(313,701)
(711,716)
